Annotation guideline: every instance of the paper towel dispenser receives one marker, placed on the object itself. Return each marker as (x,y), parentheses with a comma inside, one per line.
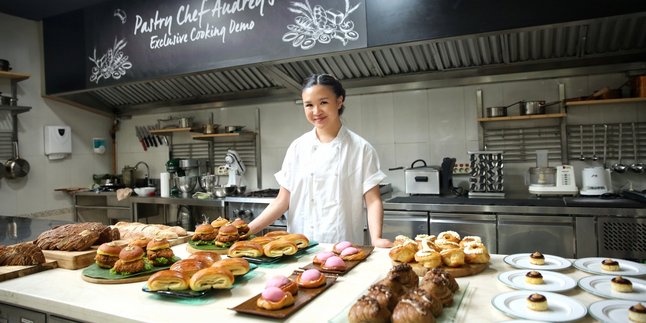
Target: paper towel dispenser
(58,141)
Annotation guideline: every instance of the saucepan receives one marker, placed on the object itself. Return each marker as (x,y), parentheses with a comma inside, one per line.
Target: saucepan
(534,107)
(501,111)
(16,167)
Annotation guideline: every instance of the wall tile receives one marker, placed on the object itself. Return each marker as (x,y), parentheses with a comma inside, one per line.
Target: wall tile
(411,116)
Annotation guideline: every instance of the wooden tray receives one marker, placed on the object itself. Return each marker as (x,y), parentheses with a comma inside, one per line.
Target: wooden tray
(349,263)
(463,271)
(11,272)
(304,296)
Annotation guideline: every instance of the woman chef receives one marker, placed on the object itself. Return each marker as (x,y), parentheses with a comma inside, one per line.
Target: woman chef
(327,175)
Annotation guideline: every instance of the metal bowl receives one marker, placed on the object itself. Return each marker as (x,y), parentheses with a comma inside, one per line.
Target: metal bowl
(208,182)
(219,191)
(186,184)
(230,189)
(240,190)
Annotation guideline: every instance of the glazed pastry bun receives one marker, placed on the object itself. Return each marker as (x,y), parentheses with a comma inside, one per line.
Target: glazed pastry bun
(339,246)
(237,266)
(321,257)
(275,234)
(245,249)
(334,263)
(284,283)
(107,254)
(211,278)
(188,266)
(274,298)
(298,239)
(262,240)
(168,280)
(279,247)
(207,257)
(352,253)
(311,278)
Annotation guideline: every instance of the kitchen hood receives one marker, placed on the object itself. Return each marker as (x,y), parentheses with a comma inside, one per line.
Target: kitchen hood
(608,44)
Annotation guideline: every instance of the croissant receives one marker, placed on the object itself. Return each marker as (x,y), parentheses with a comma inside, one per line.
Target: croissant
(279,248)
(367,309)
(211,278)
(298,239)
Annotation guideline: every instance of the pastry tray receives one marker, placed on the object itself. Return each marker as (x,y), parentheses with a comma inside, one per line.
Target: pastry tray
(349,263)
(304,296)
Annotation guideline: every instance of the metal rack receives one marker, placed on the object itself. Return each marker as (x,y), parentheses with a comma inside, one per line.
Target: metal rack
(591,136)
(9,115)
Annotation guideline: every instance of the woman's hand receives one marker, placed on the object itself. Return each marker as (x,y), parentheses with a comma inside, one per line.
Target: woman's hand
(382,243)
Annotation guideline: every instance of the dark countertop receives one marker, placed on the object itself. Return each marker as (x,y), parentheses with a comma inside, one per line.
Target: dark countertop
(580,201)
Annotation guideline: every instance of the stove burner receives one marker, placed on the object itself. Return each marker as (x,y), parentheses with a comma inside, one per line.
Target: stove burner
(270,192)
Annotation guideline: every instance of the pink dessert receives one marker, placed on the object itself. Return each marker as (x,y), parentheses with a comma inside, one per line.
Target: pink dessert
(277,281)
(349,251)
(323,256)
(273,294)
(335,262)
(342,245)
(310,275)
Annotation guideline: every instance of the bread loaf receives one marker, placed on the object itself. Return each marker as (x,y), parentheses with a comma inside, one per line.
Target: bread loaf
(133,230)
(21,254)
(76,236)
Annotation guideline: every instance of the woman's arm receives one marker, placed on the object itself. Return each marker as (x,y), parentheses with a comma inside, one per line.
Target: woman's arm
(376,217)
(272,212)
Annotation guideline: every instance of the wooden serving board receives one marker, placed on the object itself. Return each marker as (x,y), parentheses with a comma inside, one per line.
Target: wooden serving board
(463,271)
(11,272)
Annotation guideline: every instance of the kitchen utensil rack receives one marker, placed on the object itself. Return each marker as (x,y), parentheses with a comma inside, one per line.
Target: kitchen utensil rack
(627,154)
(10,112)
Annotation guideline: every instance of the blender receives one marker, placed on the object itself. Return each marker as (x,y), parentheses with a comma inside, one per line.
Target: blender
(595,181)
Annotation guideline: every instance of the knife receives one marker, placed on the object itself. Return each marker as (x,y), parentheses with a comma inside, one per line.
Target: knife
(156,136)
(146,139)
(150,135)
(140,137)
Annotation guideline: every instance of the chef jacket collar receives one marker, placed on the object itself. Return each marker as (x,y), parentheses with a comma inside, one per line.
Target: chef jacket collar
(340,137)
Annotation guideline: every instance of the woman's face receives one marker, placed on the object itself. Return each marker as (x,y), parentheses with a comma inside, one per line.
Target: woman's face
(321,106)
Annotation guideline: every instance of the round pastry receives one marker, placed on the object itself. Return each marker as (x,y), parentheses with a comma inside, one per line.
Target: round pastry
(188,266)
(401,239)
(339,246)
(298,239)
(311,278)
(245,249)
(476,253)
(237,266)
(283,283)
(211,278)
(449,235)
(274,298)
(428,300)
(404,274)
(207,257)
(107,254)
(428,258)
(468,239)
(367,309)
(159,252)
(227,235)
(352,253)
(446,244)
(637,313)
(412,310)
(534,277)
(537,302)
(452,257)
(241,225)
(131,260)
(621,284)
(427,244)
(451,282)
(141,242)
(219,222)
(279,247)
(439,288)
(420,237)
(334,263)
(384,295)
(275,234)
(204,233)
(262,240)
(168,280)
(404,252)
(536,258)
(609,265)
(322,256)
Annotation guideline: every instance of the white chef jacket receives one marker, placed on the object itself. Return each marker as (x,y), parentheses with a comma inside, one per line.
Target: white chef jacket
(327,182)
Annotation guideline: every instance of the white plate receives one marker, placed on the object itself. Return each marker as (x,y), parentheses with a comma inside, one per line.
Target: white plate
(611,310)
(593,266)
(552,281)
(560,308)
(600,286)
(521,260)
(522,321)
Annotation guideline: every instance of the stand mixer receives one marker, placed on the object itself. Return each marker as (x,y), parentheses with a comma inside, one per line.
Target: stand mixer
(235,167)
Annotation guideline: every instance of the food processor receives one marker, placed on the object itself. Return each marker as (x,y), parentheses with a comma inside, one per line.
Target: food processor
(545,180)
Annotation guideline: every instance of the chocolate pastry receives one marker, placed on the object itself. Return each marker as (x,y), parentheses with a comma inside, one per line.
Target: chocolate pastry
(405,275)
(537,302)
(428,300)
(451,282)
(438,287)
(384,295)
(395,286)
(637,313)
(412,310)
(368,310)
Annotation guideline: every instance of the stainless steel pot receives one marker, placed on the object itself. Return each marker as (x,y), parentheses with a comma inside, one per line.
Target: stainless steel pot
(493,112)
(534,107)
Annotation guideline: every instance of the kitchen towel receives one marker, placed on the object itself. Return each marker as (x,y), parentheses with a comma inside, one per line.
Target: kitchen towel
(164,183)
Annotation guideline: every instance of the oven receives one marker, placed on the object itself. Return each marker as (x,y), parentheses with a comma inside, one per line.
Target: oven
(251,204)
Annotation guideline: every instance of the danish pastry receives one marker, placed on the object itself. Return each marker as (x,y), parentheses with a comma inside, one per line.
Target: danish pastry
(262,240)
(211,278)
(284,283)
(188,266)
(279,247)
(452,257)
(609,265)
(367,309)
(237,266)
(334,263)
(404,252)
(352,253)
(298,239)
(245,249)
(274,298)
(537,302)
(311,278)
(476,253)
(428,258)
(637,313)
(537,258)
(168,280)
(449,236)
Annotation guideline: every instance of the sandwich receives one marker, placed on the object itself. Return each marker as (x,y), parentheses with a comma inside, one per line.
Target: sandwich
(227,235)
(204,234)
(159,252)
(107,255)
(131,261)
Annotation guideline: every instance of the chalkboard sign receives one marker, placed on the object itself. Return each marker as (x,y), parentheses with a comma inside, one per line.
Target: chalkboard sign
(138,40)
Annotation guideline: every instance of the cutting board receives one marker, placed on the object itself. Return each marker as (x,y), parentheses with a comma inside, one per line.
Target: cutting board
(462,271)
(82,259)
(10,272)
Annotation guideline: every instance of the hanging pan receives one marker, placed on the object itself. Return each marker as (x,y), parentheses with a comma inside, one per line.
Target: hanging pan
(16,167)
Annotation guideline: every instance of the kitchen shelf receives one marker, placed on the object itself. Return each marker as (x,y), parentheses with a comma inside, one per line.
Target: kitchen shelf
(170,131)
(608,101)
(525,117)
(226,136)
(14,76)
(14,109)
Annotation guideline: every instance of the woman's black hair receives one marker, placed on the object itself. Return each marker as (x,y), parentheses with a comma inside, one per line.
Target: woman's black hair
(327,80)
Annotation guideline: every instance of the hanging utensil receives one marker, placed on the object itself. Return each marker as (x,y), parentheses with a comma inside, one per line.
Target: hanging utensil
(619,167)
(636,166)
(605,144)
(16,167)
(581,142)
(594,143)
